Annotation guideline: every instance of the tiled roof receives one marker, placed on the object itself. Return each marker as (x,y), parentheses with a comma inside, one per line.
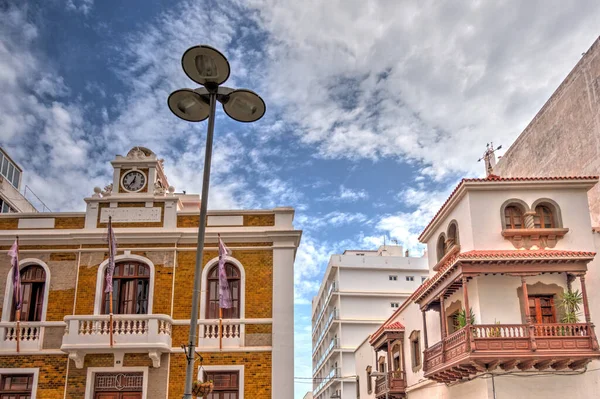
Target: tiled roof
(501,255)
(395,326)
(495,178)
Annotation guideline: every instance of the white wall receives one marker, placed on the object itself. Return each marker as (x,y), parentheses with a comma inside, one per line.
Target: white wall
(376,280)
(353,334)
(368,307)
(364,356)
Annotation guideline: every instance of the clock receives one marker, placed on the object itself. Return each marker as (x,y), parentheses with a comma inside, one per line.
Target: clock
(133,181)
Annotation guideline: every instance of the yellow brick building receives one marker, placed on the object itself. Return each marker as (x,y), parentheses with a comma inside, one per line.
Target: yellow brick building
(65,349)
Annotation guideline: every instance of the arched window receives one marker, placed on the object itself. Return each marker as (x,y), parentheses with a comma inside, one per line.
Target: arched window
(543,219)
(131,289)
(513,217)
(452,235)
(441,247)
(33,284)
(233,278)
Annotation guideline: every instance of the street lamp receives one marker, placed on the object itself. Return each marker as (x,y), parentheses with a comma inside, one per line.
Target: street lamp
(208,67)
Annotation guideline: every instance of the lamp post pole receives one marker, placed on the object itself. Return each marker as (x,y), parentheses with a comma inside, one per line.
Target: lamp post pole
(208,67)
(189,372)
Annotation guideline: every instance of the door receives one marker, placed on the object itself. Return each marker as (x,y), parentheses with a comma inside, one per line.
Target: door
(118,395)
(542,310)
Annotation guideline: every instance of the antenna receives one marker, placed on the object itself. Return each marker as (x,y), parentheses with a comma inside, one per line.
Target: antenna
(394,241)
(490,157)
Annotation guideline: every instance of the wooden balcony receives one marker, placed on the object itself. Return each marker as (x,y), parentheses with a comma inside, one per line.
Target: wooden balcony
(394,387)
(486,347)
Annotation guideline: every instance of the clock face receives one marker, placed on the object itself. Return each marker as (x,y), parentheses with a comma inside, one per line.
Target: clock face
(134,180)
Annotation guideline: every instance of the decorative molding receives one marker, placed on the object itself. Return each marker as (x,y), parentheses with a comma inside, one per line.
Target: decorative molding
(155,357)
(78,358)
(92,371)
(534,238)
(35,371)
(131,214)
(239,369)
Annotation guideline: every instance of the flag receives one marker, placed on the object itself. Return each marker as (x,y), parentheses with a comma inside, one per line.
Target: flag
(224,293)
(14,254)
(112,249)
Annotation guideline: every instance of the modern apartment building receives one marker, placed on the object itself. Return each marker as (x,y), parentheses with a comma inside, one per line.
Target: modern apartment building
(359,291)
(11,174)
(65,348)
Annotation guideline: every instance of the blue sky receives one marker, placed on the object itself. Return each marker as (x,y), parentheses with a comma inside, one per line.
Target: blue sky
(374,108)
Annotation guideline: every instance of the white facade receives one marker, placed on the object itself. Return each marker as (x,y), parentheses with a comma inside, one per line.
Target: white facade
(359,291)
(476,208)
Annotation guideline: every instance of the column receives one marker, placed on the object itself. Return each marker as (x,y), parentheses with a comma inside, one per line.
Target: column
(528,319)
(586,312)
(282,375)
(425,342)
(442,317)
(468,315)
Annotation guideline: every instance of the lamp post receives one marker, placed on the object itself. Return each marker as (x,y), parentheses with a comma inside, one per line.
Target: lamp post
(208,67)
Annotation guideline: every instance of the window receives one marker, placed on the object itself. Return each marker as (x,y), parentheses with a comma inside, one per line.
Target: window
(513,217)
(542,310)
(16,386)
(9,170)
(453,324)
(357,387)
(453,234)
(393,278)
(415,349)
(423,279)
(410,278)
(543,218)
(233,278)
(131,289)
(394,305)
(441,247)
(33,281)
(369,380)
(5,208)
(226,384)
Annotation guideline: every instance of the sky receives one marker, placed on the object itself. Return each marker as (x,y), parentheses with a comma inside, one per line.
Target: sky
(375,109)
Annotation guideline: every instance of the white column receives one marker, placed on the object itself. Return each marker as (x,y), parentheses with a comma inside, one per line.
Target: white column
(283,321)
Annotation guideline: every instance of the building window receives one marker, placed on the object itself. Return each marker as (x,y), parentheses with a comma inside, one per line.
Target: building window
(5,208)
(226,384)
(453,324)
(543,218)
(452,235)
(513,217)
(415,349)
(357,387)
(233,278)
(10,171)
(393,278)
(369,380)
(423,279)
(441,247)
(131,289)
(542,310)
(33,282)
(410,278)
(394,305)
(16,386)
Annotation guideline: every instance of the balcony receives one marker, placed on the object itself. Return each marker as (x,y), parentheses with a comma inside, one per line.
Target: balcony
(234,333)
(134,333)
(394,386)
(485,347)
(334,344)
(33,335)
(334,315)
(333,287)
(334,373)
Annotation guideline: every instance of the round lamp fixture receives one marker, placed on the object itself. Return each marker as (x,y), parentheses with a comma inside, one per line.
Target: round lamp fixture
(205,65)
(188,105)
(245,106)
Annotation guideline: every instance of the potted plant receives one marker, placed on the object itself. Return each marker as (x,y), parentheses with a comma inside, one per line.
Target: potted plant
(570,303)
(201,389)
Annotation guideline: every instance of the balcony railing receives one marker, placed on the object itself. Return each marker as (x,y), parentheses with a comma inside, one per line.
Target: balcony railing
(31,335)
(333,344)
(334,373)
(334,315)
(396,383)
(332,288)
(570,345)
(233,333)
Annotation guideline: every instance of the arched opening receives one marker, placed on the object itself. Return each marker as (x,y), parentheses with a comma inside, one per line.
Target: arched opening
(513,217)
(544,217)
(453,238)
(33,287)
(234,283)
(441,247)
(131,289)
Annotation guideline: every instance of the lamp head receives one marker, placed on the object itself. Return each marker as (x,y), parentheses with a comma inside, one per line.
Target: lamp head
(188,105)
(205,65)
(244,106)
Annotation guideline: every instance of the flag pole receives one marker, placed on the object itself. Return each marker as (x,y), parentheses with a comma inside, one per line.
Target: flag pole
(220,328)
(110,293)
(19,309)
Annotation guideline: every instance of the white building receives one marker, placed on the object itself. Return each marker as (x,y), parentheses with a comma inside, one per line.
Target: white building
(508,250)
(11,199)
(359,291)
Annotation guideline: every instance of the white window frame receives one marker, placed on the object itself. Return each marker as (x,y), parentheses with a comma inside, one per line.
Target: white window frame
(410,278)
(394,305)
(8,292)
(423,279)
(92,371)
(102,274)
(240,369)
(393,277)
(204,290)
(34,371)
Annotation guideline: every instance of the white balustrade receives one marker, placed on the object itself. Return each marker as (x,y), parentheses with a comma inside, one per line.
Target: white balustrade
(30,335)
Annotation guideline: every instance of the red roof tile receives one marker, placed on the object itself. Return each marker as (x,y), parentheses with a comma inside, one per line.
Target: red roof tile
(495,178)
(501,255)
(395,326)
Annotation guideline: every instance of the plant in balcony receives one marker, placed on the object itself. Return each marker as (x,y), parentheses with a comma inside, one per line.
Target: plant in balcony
(570,303)
(495,331)
(462,317)
(202,389)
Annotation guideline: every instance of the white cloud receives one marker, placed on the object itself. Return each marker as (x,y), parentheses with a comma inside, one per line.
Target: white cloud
(345,194)
(81,6)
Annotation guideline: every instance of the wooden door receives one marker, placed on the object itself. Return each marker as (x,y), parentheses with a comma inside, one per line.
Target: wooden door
(131,395)
(542,309)
(118,395)
(107,395)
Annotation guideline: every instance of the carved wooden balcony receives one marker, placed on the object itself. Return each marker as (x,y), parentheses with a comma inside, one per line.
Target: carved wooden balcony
(486,347)
(394,387)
